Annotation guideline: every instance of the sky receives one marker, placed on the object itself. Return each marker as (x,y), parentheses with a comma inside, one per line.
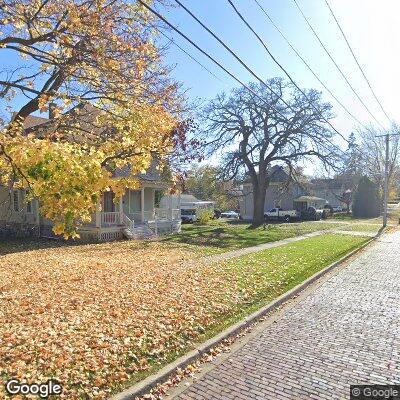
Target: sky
(371,28)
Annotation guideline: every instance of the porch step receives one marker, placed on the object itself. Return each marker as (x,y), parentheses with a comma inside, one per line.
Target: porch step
(128,233)
(141,231)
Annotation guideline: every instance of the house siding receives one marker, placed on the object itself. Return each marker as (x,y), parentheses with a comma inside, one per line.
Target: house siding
(24,223)
(18,222)
(331,195)
(275,195)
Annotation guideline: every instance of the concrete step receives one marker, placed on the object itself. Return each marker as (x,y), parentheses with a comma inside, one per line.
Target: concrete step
(139,232)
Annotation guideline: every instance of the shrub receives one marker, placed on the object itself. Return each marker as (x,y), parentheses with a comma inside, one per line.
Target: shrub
(204,217)
(367,201)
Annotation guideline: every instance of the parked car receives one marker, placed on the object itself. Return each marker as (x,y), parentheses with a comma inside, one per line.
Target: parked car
(230,215)
(312,214)
(281,215)
(327,211)
(337,209)
(188,216)
(217,214)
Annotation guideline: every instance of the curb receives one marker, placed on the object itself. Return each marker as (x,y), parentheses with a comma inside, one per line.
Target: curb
(143,387)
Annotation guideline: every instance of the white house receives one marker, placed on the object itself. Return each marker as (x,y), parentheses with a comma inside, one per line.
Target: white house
(280,193)
(135,215)
(331,189)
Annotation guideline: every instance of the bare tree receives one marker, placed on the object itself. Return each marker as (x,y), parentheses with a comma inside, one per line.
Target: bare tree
(253,131)
(372,154)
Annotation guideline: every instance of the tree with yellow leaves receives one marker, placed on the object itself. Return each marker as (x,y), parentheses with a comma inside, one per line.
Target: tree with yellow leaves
(95,62)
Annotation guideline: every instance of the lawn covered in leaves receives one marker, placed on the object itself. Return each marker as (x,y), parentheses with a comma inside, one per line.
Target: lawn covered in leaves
(99,317)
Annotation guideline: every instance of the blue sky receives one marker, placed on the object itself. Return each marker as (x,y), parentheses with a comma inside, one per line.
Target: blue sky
(370,26)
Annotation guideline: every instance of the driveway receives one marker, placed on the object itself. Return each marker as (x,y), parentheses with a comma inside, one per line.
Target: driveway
(346,331)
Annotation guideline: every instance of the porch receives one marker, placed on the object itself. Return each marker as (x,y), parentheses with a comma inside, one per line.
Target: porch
(135,216)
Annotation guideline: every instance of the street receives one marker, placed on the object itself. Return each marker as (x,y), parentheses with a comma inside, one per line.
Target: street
(345,332)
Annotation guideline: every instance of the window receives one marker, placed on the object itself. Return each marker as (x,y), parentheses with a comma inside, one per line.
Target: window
(158,194)
(135,201)
(16,200)
(28,203)
(188,212)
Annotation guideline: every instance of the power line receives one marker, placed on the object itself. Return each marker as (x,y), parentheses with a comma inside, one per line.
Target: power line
(248,68)
(356,60)
(152,10)
(217,63)
(280,65)
(335,63)
(308,66)
(190,56)
(232,52)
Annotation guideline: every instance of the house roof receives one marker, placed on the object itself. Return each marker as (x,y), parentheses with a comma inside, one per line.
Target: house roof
(188,198)
(276,174)
(308,198)
(151,175)
(85,114)
(327,183)
(32,120)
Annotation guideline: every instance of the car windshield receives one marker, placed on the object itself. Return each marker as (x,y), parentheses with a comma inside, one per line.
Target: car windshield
(188,212)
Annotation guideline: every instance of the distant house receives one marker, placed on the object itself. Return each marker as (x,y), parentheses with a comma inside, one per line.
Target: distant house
(135,215)
(330,189)
(303,203)
(280,193)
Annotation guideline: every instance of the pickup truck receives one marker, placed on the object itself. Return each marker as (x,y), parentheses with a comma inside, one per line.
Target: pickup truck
(230,215)
(279,214)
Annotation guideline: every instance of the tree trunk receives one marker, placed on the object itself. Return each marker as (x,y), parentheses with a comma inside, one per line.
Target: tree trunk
(258,203)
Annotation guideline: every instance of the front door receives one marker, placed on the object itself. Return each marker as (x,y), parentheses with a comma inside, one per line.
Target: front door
(108,202)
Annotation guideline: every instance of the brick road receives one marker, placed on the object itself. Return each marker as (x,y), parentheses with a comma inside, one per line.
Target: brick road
(345,332)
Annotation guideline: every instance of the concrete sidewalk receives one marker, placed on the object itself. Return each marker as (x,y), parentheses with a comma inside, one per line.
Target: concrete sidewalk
(346,331)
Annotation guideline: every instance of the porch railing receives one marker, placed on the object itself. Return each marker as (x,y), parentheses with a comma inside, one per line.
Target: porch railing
(137,216)
(166,213)
(162,213)
(176,214)
(157,213)
(116,218)
(110,218)
(128,222)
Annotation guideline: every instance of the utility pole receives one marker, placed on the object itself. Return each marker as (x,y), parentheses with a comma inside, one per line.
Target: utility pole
(386,189)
